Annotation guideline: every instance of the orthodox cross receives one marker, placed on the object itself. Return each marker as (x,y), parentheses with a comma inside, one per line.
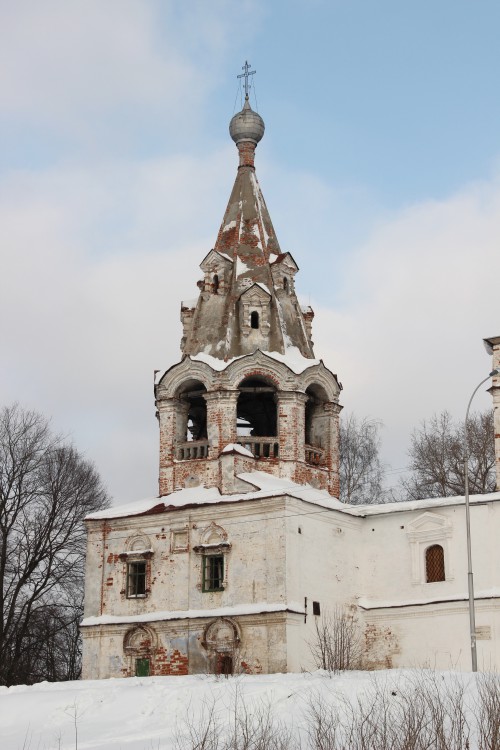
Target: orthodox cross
(246,67)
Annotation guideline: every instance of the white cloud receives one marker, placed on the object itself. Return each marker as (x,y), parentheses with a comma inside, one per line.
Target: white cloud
(90,307)
(419,297)
(90,69)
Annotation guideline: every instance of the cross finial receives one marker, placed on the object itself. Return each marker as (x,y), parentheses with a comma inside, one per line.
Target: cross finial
(246,67)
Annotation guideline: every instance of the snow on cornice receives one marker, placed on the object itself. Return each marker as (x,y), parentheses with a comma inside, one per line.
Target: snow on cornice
(236,448)
(244,609)
(293,359)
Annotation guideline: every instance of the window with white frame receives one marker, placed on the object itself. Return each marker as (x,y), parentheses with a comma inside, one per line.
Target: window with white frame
(429,536)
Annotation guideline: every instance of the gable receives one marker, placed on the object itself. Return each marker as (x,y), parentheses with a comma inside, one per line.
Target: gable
(214,259)
(255,292)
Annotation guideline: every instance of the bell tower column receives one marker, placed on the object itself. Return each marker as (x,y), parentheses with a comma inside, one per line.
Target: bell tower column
(221,420)
(291,425)
(172,416)
(332,446)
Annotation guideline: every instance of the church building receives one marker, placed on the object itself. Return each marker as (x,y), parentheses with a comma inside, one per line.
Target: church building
(247,547)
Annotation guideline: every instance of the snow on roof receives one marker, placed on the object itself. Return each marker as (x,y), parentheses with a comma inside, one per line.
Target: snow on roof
(264,287)
(225,255)
(256,232)
(237,448)
(213,362)
(241,267)
(432,502)
(294,359)
(186,496)
(243,609)
(267,486)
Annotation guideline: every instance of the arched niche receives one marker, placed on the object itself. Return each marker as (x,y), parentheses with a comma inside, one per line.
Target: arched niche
(221,640)
(141,640)
(257,412)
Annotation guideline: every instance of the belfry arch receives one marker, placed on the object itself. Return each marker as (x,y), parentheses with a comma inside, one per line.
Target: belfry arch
(192,432)
(257,416)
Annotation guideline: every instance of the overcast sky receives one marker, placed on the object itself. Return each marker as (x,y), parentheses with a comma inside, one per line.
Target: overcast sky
(380,167)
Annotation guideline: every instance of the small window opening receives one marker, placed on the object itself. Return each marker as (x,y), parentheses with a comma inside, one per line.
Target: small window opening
(434,564)
(215,282)
(142,667)
(316,608)
(285,283)
(136,579)
(254,319)
(213,573)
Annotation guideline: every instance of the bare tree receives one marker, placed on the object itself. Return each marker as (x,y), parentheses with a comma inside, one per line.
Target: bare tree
(46,490)
(437,457)
(336,645)
(361,471)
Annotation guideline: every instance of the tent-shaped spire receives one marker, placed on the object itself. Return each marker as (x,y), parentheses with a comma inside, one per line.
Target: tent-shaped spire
(247,298)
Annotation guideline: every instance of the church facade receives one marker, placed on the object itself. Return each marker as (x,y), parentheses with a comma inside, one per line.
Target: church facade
(246,548)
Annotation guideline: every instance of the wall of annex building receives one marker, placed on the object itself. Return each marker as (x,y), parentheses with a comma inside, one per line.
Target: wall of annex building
(188,646)
(322,571)
(408,621)
(250,536)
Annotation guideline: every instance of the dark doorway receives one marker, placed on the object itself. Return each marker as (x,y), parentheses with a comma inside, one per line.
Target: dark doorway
(224,664)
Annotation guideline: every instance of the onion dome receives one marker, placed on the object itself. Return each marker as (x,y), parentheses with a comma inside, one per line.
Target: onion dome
(246,125)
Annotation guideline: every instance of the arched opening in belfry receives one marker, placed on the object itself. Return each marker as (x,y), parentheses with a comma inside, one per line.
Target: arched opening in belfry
(215,284)
(192,436)
(285,283)
(254,319)
(257,417)
(316,424)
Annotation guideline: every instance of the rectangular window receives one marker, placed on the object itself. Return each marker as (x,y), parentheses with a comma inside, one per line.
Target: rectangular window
(213,573)
(316,608)
(136,579)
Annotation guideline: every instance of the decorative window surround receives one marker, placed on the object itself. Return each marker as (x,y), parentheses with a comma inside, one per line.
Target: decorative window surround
(426,530)
(213,550)
(179,540)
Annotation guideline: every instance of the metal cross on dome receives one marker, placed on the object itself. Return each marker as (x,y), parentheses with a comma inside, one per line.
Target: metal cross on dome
(246,67)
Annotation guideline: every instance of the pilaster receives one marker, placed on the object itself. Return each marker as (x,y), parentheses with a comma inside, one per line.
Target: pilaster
(291,425)
(221,420)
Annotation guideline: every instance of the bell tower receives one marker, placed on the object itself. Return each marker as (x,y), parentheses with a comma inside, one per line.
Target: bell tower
(248,394)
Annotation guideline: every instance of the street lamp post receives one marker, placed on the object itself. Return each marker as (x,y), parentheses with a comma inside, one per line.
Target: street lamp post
(470,578)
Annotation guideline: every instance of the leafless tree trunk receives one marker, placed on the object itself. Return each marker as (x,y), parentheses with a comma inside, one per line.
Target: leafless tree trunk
(46,490)
(361,471)
(437,457)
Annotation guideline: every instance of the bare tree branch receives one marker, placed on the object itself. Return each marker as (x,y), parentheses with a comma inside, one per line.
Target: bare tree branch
(46,490)
(361,471)
(437,457)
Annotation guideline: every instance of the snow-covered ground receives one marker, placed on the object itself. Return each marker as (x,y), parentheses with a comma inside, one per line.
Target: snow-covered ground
(154,713)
